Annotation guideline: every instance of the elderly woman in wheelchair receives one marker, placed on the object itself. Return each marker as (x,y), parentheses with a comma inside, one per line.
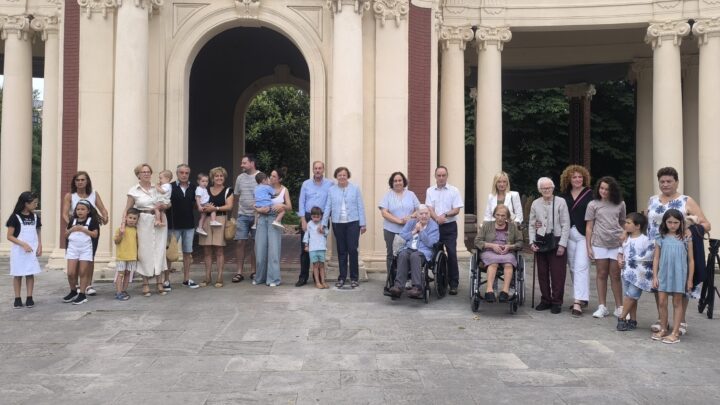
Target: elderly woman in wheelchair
(497,242)
(420,234)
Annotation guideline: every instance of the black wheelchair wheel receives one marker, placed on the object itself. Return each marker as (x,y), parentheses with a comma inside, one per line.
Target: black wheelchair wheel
(513,308)
(441,274)
(390,279)
(472,273)
(475,304)
(520,281)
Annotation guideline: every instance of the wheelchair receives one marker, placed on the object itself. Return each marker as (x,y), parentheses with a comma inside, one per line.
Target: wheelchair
(434,271)
(477,280)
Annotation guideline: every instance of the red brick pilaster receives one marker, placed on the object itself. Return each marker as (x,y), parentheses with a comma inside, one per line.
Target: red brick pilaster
(419,99)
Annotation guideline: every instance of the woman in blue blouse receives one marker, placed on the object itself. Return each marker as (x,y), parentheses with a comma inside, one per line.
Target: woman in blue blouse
(345,207)
(397,207)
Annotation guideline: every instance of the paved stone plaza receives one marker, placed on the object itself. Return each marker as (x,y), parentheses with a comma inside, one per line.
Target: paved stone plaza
(255,344)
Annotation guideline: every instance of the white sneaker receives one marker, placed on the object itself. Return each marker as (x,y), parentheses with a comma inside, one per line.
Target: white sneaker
(273,285)
(254,282)
(253,226)
(90,291)
(201,232)
(683,328)
(601,312)
(215,223)
(618,311)
(277,224)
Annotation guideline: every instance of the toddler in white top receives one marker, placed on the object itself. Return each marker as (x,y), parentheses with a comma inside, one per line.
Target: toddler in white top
(163,190)
(202,197)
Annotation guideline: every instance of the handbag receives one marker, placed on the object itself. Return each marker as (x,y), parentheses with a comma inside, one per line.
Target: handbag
(548,242)
(172,251)
(230,228)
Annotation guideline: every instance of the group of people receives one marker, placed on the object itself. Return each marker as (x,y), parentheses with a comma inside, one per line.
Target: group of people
(571,229)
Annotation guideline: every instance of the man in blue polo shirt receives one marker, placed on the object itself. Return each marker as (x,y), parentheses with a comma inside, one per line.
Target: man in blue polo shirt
(313,193)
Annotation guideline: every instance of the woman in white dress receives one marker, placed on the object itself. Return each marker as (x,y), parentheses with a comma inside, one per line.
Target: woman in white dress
(152,239)
(501,194)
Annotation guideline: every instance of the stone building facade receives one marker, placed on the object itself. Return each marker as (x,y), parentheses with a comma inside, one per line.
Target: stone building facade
(169,81)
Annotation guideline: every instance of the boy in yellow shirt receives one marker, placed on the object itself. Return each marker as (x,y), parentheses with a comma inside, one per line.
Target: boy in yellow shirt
(126,254)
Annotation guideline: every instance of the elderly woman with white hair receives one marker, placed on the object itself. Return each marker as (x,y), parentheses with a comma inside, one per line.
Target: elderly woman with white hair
(550,220)
(420,235)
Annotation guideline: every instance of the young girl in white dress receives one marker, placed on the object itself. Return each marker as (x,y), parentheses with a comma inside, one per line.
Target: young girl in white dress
(24,234)
(82,229)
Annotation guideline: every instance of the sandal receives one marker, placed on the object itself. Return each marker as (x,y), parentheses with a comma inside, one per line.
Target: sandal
(218,285)
(659,335)
(238,278)
(576,310)
(205,283)
(671,339)
(146,290)
(160,289)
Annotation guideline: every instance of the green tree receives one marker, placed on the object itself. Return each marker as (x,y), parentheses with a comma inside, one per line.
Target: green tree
(277,132)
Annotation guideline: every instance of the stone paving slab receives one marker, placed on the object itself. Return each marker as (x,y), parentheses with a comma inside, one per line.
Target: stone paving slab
(244,344)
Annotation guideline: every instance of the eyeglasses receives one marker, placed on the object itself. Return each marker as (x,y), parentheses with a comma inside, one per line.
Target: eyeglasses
(546,188)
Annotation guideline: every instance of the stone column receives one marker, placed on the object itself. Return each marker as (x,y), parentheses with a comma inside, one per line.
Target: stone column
(665,39)
(690,89)
(346,115)
(488,139)
(707,32)
(16,150)
(645,184)
(451,145)
(580,96)
(49,179)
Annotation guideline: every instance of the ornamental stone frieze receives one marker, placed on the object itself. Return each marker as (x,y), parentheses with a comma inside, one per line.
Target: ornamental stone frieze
(17,25)
(493,7)
(149,5)
(659,32)
(247,8)
(391,10)
(102,7)
(492,36)
(453,35)
(359,6)
(45,25)
(706,28)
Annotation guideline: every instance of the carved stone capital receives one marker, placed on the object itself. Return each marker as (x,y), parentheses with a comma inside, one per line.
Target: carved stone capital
(455,35)
(336,6)
(659,32)
(247,8)
(149,5)
(706,28)
(15,25)
(492,36)
(580,90)
(639,67)
(45,25)
(391,10)
(102,7)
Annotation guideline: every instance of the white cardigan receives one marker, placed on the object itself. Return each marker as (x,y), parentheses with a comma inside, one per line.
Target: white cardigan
(515,206)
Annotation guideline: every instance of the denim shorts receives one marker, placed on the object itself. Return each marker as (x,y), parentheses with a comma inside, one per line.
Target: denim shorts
(317,256)
(243,231)
(184,237)
(631,291)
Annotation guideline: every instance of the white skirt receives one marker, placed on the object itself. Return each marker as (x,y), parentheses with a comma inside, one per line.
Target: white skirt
(605,253)
(152,241)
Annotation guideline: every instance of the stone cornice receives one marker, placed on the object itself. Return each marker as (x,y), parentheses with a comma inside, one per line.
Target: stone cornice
(45,25)
(391,10)
(492,36)
(454,35)
(359,6)
(102,7)
(15,25)
(149,5)
(706,28)
(580,90)
(659,32)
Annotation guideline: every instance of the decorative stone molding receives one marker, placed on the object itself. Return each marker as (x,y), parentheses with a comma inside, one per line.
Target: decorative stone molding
(667,4)
(493,7)
(455,6)
(580,90)
(247,8)
(454,35)
(492,36)
(659,32)
(18,25)
(150,5)
(102,7)
(706,28)
(360,6)
(391,9)
(45,25)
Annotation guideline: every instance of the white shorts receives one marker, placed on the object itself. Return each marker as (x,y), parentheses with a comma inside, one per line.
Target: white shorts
(605,253)
(84,253)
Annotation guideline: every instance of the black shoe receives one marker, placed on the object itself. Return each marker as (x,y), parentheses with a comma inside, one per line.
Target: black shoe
(70,297)
(632,324)
(490,296)
(415,293)
(80,299)
(18,303)
(29,302)
(542,306)
(503,297)
(300,283)
(622,325)
(556,309)
(453,291)
(395,291)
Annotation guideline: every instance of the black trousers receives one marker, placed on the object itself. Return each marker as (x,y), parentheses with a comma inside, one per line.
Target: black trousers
(304,256)
(448,236)
(347,238)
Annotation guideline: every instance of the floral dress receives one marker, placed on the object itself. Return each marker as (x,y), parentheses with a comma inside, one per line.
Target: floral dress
(656,210)
(638,254)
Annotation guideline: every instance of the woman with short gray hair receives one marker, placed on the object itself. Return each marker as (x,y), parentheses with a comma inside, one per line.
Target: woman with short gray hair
(549,232)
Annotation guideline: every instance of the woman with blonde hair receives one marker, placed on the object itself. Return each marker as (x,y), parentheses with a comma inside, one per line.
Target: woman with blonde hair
(221,203)
(501,194)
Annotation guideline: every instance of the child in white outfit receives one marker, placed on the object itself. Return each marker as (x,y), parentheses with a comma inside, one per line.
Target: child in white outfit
(202,197)
(163,190)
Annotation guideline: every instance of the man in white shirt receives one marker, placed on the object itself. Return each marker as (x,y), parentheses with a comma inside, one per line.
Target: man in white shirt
(445,202)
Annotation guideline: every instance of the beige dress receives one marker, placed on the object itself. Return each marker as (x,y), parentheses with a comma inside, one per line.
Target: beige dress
(152,240)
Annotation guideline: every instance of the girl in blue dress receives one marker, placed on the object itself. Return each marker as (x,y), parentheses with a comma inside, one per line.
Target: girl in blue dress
(673,268)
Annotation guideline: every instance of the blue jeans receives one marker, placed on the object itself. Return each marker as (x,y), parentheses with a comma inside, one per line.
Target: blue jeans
(267,250)
(347,238)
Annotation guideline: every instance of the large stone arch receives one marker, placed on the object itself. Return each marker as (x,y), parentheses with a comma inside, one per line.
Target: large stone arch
(191,38)
(282,76)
